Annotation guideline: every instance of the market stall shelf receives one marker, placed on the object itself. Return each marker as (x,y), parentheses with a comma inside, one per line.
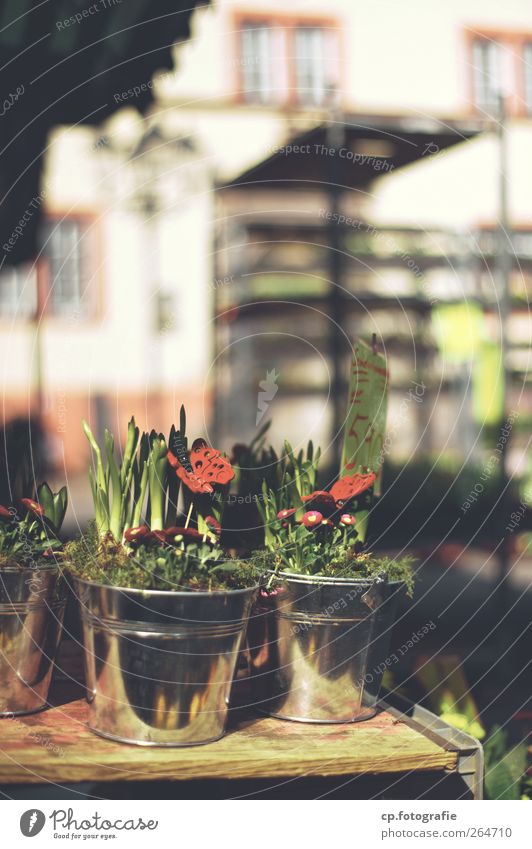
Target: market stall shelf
(56,746)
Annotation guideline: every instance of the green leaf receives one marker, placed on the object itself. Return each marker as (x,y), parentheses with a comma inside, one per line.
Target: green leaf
(144,449)
(90,436)
(99,480)
(138,502)
(92,484)
(116,502)
(174,485)
(501,782)
(129,452)
(60,506)
(365,421)
(224,567)
(45,497)
(294,492)
(288,451)
(504,768)
(496,745)
(157,481)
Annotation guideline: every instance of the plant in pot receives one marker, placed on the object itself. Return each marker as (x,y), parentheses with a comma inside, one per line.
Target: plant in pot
(320,630)
(163,608)
(32,602)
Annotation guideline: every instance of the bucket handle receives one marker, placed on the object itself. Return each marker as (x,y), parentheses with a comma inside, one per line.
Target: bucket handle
(374,597)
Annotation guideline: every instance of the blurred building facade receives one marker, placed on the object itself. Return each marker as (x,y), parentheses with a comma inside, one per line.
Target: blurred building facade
(147,239)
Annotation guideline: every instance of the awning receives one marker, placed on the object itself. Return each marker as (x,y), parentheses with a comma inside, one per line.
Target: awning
(355,151)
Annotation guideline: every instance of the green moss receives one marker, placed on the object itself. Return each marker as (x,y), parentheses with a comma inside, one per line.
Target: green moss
(9,562)
(344,562)
(27,561)
(197,567)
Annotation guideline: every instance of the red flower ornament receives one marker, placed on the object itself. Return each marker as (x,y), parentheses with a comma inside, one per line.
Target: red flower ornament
(138,535)
(286,514)
(187,535)
(32,506)
(326,523)
(312,519)
(142,535)
(350,486)
(159,536)
(321,501)
(347,519)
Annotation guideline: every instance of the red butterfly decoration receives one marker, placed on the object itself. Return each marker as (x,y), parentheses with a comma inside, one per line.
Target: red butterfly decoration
(348,487)
(209,464)
(207,467)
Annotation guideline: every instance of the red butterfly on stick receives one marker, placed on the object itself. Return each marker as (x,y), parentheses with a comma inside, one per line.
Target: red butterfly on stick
(205,467)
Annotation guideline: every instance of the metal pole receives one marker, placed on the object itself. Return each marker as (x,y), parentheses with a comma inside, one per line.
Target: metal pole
(41,269)
(335,140)
(503,267)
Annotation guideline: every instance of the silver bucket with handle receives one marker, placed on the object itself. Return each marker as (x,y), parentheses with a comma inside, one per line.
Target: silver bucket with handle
(160,664)
(32,606)
(315,644)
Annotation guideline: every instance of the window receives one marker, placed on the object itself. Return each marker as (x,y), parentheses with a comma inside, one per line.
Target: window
(285,60)
(501,64)
(486,75)
(18,292)
(256,62)
(67,251)
(311,65)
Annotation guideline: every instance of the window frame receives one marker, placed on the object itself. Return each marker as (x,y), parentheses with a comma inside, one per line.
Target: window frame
(297,31)
(27,274)
(288,23)
(485,108)
(515,41)
(88,222)
(253,96)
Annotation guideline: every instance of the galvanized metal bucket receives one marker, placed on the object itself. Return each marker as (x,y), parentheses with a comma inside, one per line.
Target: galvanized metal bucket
(317,648)
(32,606)
(160,664)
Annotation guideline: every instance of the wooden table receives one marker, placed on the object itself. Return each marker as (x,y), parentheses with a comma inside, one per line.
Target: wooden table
(56,746)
